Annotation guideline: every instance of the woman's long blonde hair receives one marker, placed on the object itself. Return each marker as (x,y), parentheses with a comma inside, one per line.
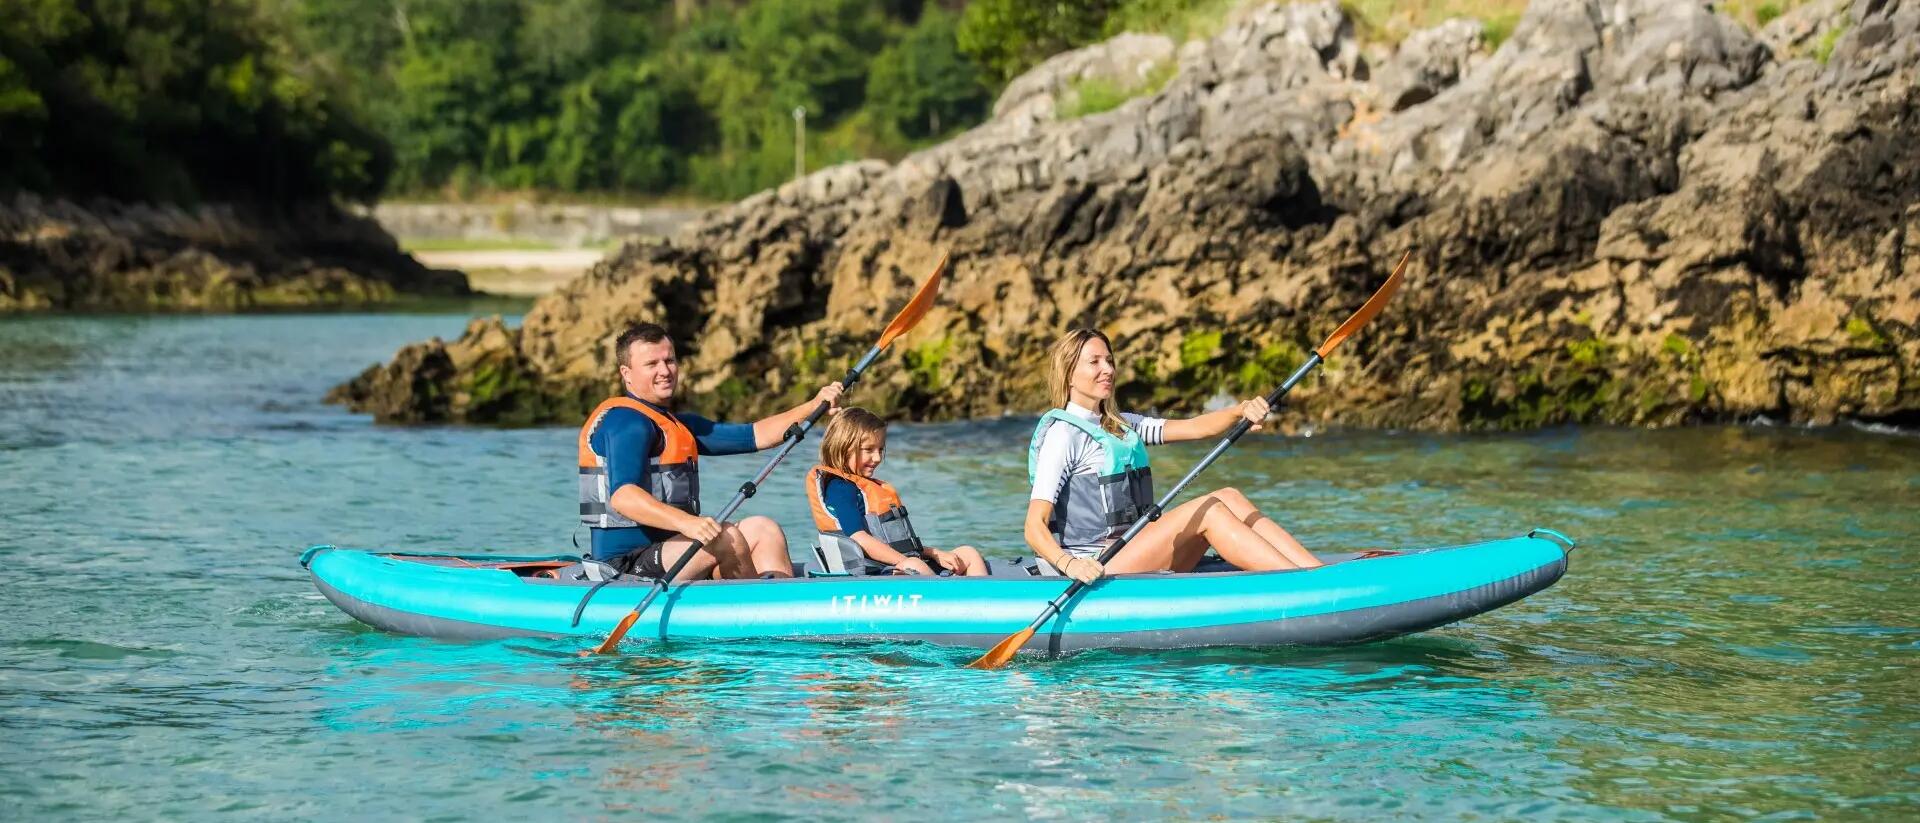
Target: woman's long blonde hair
(1066,355)
(844,434)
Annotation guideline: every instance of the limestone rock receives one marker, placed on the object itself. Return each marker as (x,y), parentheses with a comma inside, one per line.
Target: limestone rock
(139,257)
(1427,63)
(1634,212)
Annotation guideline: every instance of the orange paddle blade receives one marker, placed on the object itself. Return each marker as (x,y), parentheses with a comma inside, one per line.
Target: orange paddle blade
(1000,654)
(619,631)
(917,307)
(1373,306)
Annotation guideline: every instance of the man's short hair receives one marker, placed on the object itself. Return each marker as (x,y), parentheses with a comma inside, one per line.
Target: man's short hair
(637,333)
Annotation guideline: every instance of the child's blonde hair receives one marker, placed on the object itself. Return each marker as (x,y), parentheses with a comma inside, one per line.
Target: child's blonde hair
(845,433)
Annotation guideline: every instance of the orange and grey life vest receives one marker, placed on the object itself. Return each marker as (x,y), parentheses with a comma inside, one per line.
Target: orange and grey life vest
(886,518)
(672,477)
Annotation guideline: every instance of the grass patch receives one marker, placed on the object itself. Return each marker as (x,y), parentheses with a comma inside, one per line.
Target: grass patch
(1179,20)
(1093,95)
(1823,50)
(1390,21)
(1496,29)
(1756,14)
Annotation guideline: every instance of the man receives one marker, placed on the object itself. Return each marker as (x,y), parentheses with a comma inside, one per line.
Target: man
(639,473)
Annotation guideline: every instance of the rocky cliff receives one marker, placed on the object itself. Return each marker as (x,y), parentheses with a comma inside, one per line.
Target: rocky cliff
(1634,211)
(129,257)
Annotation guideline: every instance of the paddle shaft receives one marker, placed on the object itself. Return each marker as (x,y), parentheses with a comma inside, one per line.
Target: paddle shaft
(794,435)
(1240,428)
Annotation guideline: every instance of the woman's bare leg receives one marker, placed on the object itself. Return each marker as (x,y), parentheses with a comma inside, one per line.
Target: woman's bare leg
(1180,538)
(1268,530)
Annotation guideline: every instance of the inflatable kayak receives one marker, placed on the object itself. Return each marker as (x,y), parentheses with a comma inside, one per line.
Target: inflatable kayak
(1355,598)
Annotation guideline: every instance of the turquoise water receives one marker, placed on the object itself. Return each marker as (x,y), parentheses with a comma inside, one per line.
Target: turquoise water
(1736,638)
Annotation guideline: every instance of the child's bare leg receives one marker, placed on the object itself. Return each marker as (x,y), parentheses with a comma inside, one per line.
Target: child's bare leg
(971,563)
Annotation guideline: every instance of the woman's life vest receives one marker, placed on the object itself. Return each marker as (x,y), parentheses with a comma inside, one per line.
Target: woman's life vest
(1094,509)
(672,477)
(886,519)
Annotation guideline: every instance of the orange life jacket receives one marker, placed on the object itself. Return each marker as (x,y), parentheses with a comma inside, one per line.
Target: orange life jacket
(886,517)
(672,477)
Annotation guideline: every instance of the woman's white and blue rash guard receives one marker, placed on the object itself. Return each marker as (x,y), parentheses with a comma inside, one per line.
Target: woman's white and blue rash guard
(1066,451)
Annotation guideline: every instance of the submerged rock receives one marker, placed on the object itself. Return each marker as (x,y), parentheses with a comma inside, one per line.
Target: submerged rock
(1635,212)
(138,257)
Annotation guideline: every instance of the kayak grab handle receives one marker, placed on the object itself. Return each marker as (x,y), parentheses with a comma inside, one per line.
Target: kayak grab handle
(307,556)
(1557,537)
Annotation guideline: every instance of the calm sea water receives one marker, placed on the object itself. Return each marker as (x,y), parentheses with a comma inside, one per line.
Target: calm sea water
(1737,636)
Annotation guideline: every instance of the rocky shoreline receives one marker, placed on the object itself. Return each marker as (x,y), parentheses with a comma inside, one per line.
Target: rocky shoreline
(1633,212)
(107,256)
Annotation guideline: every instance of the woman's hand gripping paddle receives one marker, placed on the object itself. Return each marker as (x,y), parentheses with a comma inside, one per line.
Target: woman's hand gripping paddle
(902,323)
(1005,650)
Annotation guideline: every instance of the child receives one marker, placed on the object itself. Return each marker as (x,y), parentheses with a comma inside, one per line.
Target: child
(860,516)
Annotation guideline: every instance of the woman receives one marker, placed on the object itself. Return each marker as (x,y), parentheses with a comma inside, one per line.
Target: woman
(1088,465)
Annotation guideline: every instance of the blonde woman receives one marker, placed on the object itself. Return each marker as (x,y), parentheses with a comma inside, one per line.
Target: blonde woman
(1089,469)
(862,516)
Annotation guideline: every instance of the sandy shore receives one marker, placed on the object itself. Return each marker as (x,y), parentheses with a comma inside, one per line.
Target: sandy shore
(515,272)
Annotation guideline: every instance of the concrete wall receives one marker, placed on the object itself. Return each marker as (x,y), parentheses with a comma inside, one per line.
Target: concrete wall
(566,226)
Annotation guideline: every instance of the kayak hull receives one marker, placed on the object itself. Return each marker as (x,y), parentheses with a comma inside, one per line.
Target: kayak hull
(1356,599)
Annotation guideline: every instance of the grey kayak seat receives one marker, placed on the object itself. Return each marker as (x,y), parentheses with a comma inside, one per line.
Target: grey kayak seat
(1039,567)
(592,571)
(835,555)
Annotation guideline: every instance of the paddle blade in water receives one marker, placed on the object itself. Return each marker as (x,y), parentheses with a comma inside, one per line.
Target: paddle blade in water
(1373,306)
(917,307)
(1000,654)
(613,640)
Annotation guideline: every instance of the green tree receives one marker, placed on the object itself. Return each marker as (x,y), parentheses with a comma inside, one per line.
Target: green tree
(758,66)
(922,85)
(1007,37)
(172,100)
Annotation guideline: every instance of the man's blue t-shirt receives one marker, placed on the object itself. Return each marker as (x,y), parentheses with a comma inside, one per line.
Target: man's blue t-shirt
(844,504)
(626,438)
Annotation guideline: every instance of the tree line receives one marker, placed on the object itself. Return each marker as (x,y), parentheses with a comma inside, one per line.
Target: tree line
(288,100)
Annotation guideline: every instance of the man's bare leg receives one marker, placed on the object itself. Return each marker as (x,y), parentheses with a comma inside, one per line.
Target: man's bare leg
(725,556)
(767,546)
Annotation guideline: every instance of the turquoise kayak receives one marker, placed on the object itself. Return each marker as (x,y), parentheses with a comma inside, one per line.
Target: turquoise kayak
(1355,598)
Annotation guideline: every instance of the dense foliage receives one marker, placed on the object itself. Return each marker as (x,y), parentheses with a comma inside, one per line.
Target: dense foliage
(1007,37)
(648,96)
(171,100)
(281,100)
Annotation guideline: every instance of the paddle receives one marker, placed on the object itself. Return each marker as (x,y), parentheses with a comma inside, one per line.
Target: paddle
(902,323)
(1004,651)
